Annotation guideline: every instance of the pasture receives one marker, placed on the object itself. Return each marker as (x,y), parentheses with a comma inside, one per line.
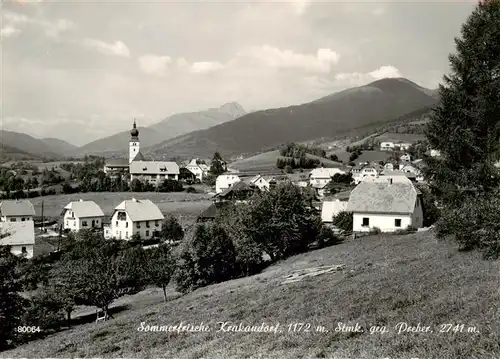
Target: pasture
(387,279)
(405,137)
(266,162)
(185,206)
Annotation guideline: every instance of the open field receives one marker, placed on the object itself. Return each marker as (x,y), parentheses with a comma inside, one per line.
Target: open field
(387,279)
(267,161)
(394,137)
(184,205)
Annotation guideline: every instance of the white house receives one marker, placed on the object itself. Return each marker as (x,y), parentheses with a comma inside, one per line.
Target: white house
(16,211)
(19,235)
(264,183)
(330,208)
(435,153)
(362,174)
(403,146)
(82,215)
(200,170)
(225,181)
(388,206)
(319,176)
(412,169)
(405,158)
(154,172)
(135,216)
(387,146)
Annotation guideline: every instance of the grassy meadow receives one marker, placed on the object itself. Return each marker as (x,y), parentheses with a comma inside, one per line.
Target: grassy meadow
(387,279)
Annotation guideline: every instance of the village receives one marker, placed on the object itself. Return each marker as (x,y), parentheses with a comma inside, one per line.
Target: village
(380,196)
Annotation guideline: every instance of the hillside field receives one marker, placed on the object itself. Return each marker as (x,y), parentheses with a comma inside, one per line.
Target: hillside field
(187,205)
(395,137)
(267,162)
(387,279)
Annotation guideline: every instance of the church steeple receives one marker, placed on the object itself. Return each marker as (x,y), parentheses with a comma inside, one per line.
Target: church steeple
(134,144)
(134,133)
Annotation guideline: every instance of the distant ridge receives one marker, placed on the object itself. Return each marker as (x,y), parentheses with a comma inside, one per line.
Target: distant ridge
(329,116)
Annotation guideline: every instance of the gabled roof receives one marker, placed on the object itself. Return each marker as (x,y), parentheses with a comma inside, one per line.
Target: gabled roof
(379,197)
(139,157)
(239,186)
(325,172)
(213,210)
(140,210)
(17,233)
(17,208)
(153,167)
(84,209)
(117,162)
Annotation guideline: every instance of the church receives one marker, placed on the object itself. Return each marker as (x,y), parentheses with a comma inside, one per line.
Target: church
(138,166)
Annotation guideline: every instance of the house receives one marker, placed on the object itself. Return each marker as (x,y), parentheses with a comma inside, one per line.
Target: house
(387,146)
(19,235)
(397,176)
(186,175)
(16,211)
(364,171)
(405,158)
(225,181)
(322,175)
(320,189)
(331,207)
(200,170)
(435,153)
(82,215)
(135,216)
(264,183)
(239,191)
(403,146)
(117,167)
(388,206)
(154,172)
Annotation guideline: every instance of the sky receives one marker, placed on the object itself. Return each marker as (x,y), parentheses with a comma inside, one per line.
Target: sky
(82,70)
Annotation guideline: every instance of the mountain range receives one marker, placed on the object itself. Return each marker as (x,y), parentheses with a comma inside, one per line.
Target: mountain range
(231,131)
(330,116)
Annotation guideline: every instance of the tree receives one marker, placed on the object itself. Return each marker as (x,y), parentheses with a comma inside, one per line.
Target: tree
(161,266)
(465,126)
(334,157)
(172,230)
(11,303)
(217,166)
(343,220)
(136,185)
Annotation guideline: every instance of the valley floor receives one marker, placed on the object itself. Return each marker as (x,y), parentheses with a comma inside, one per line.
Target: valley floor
(387,279)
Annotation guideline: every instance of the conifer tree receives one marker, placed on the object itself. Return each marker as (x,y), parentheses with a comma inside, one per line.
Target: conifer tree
(465,126)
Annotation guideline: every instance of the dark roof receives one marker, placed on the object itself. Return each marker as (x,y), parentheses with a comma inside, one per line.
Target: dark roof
(213,209)
(237,187)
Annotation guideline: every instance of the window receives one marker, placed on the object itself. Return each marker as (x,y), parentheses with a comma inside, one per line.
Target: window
(23,219)
(156,223)
(126,224)
(84,223)
(147,233)
(116,222)
(126,234)
(147,224)
(24,250)
(12,219)
(67,223)
(366,222)
(138,224)
(397,222)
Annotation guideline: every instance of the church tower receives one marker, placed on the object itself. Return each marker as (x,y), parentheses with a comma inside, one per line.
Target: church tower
(133,144)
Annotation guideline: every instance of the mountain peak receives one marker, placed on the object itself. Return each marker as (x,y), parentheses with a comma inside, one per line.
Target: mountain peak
(232,108)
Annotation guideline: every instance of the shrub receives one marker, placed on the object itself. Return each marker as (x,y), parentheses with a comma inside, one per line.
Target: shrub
(375,230)
(190,190)
(344,221)
(326,237)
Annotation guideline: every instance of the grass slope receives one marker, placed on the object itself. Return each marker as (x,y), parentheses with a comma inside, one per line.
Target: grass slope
(267,161)
(387,280)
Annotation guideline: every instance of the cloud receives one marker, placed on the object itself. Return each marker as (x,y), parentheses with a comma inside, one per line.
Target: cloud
(273,57)
(51,28)
(9,31)
(154,65)
(357,78)
(206,66)
(117,48)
